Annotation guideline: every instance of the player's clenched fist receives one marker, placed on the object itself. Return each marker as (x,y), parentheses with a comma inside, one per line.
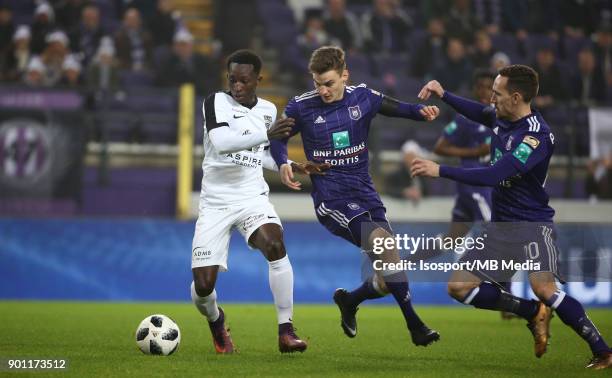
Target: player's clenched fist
(430,112)
(432,87)
(281,128)
(426,168)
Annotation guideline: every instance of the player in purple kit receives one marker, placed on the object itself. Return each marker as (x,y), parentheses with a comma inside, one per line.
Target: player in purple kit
(520,154)
(471,142)
(334,120)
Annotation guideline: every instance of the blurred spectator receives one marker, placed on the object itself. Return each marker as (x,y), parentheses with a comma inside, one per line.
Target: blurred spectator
(599,178)
(499,61)
(163,23)
(457,70)
(35,73)
(102,73)
(552,88)
(234,32)
(489,13)
(588,85)
(431,52)
(187,66)
(342,25)
(71,72)
(18,55)
(578,17)
(434,9)
(483,50)
(522,17)
(461,22)
(53,57)
(146,8)
(386,28)
(7,29)
(400,184)
(314,35)
(68,13)
(603,51)
(43,24)
(133,42)
(85,38)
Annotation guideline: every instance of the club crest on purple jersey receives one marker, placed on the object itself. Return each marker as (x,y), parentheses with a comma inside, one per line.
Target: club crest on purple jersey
(354,112)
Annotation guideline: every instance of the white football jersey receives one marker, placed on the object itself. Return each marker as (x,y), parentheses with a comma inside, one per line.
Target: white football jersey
(236,148)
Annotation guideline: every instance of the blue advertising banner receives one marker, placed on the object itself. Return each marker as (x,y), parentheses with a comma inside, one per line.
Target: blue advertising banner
(144,259)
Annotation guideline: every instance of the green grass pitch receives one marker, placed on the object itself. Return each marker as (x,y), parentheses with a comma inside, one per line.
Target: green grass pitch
(98,340)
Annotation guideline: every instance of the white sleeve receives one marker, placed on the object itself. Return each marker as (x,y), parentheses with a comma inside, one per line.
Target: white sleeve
(223,138)
(226,140)
(268,161)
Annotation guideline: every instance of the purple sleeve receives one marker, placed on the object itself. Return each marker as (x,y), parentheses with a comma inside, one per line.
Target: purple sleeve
(471,109)
(530,150)
(278,147)
(489,176)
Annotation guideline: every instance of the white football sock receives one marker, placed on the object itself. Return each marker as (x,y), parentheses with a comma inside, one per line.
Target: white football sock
(281,285)
(206,305)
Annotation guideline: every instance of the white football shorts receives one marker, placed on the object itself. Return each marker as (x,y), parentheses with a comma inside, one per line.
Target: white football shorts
(214,226)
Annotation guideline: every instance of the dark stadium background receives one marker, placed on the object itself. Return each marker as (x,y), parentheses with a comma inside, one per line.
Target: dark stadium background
(88,158)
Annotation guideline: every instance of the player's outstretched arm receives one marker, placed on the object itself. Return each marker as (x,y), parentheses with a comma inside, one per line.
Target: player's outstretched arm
(391,107)
(471,109)
(288,169)
(489,176)
(444,147)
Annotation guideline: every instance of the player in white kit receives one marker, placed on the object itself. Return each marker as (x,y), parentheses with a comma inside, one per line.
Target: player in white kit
(238,127)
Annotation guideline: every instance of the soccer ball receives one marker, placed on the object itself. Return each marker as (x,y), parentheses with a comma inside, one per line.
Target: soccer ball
(158,334)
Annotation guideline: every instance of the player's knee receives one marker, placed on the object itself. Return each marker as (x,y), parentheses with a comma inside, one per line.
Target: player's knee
(543,290)
(458,290)
(204,286)
(274,249)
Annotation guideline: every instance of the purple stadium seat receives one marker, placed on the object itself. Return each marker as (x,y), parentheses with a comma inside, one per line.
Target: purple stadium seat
(536,42)
(158,127)
(358,63)
(571,47)
(135,79)
(116,126)
(23,11)
(152,100)
(506,43)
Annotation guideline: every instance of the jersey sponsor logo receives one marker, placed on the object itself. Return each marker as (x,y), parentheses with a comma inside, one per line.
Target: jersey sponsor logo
(319,119)
(246,132)
(268,121)
(238,117)
(450,128)
(531,141)
(245,159)
(354,112)
(200,253)
(496,156)
(341,139)
(522,152)
(509,143)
